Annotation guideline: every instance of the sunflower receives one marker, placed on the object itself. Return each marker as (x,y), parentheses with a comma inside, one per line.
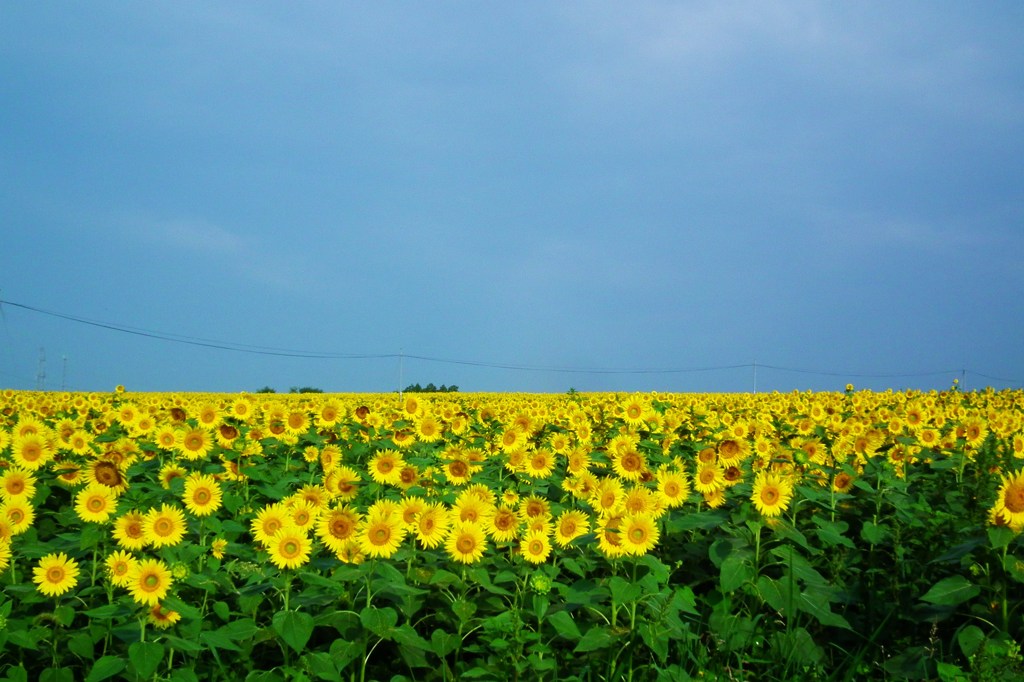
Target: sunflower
(149,581)
(164,527)
(633,411)
(432,525)
(503,526)
(466,542)
(202,494)
(168,473)
(195,443)
(1009,504)
(609,541)
(289,548)
(630,465)
(107,472)
(512,439)
(673,487)
(120,565)
(218,547)
(55,574)
(385,467)
(639,534)
(31,451)
(268,521)
(342,483)
(429,429)
(337,526)
(19,513)
(540,464)
(17,483)
(411,508)
(130,530)
(472,508)
(535,547)
(570,525)
(457,471)
(608,496)
(5,553)
(534,507)
(772,493)
(578,461)
(380,535)
(161,618)
(95,503)
(80,442)
(709,478)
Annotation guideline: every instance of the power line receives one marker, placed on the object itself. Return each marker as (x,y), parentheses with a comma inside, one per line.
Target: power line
(401,356)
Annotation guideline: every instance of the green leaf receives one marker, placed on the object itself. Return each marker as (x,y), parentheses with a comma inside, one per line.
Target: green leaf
(623,591)
(463,609)
(320,664)
(343,652)
(64,615)
(218,639)
(406,636)
(873,533)
(379,621)
(736,570)
(57,675)
(777,594)
(222,610)
(145,657)
(970,639)
(951,591)
(1000,536)
(81,645)
(831,532)
(443,643)
(1014,567)
(106,667)
(596,638)
(294,627)
(817,606)
(564,625)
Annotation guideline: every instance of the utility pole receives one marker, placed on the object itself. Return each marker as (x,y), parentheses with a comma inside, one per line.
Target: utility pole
(64,374)
(755,376)
(41,372)
(401,368)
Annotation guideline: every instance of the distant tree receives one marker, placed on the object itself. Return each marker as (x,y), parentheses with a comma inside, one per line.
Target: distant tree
(304,389)
(266,389)
(431,388)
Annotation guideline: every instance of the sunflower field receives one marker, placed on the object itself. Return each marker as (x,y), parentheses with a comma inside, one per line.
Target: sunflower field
(835,536)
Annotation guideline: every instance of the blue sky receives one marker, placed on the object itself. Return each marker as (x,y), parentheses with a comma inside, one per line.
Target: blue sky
(513,190)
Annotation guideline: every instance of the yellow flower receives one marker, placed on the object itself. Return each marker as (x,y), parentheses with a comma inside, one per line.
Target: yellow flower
(17,483)
(385,467)
(504,524)
(673,487)
(432,525)
(164,527)
(380,535)
(639,534)
(570,525)
(630,465)
(337,526)
(55,574)
(130,530)
(535,547)
(268,521)
(31,451)
(149,581)
(289,548)
(1009,504)
(195,444)
(466,542)
(772,493)
(217,548)
(120,565)
(202,494)
(162,619)
(95,503)
(19,514)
